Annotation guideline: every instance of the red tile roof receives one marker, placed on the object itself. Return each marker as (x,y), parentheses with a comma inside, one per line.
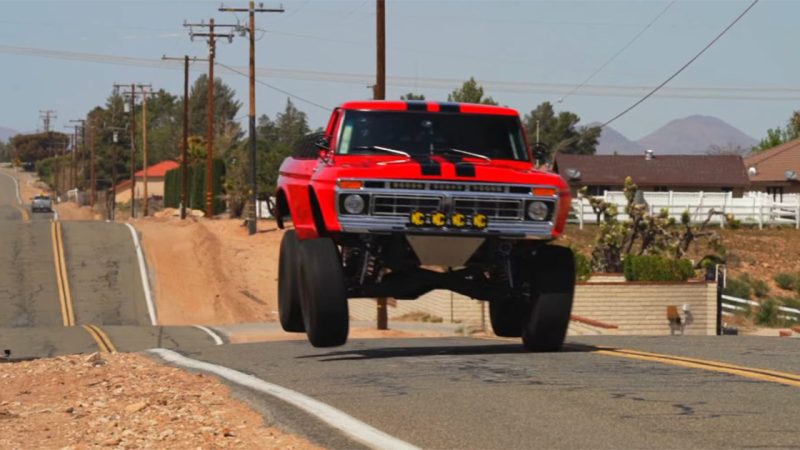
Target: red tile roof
(772,164)
(158,169)
(700,171)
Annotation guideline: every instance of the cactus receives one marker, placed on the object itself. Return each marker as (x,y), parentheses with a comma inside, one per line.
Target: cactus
(644,233)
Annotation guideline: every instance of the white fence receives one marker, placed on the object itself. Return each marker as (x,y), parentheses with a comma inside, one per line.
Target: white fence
(756,208)
(741,305)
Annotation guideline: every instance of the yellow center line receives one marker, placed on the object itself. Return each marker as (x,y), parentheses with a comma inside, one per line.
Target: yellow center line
(101,345)
(107,340)
(772,376)
(64,296)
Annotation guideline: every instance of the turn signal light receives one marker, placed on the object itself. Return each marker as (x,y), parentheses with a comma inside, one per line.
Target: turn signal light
(544,192)
(350,184)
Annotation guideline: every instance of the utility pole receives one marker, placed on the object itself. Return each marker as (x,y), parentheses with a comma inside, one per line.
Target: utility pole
(212,48)
(114,140)
(46,116)
(146,206)
(73,179)
(252,10)
(82,154)
(92,175)
(132,94)
(380,94)
(185,147)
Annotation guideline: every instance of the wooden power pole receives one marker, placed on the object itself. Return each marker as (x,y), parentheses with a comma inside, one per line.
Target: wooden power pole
(212,49)
(252,10)
(380,94)
(132,93)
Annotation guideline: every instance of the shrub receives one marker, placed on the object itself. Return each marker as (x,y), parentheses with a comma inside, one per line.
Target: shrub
(736,287)
(583,267)
(657,268)
(767,313)
(760,287)
(787,281)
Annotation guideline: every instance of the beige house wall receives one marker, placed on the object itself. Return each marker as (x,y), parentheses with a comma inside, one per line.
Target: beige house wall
(635,308)
(155,188)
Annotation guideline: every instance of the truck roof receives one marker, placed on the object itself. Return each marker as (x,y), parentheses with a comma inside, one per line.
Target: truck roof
(451,107)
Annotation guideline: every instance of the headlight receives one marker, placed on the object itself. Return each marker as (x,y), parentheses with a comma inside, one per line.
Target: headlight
(537,210)
(354,204)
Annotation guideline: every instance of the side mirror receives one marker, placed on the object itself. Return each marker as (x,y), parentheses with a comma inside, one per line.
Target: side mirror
(323,144)
(539,153)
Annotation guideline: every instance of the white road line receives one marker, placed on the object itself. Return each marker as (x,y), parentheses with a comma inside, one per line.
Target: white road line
(349,425)
(16,185)
(151,308)
(210,332)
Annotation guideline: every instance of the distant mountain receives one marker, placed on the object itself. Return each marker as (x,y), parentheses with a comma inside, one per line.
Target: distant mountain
(695,135)
(6,134)
(612,141)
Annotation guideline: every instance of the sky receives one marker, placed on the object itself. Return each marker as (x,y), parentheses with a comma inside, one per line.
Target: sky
(66,55)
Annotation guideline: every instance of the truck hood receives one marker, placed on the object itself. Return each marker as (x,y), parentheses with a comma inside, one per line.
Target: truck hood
(440,168)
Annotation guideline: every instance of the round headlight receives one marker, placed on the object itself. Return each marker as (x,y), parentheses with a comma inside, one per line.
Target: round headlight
(354,204)
(537,210)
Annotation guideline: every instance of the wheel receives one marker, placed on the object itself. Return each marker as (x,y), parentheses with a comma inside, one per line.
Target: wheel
(288,284)
(323,296)
(552,290)
(508,317)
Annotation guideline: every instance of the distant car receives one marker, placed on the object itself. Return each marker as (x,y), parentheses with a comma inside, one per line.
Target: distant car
(42,203)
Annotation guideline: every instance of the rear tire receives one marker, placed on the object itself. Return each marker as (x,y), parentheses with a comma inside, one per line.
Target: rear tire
(289,310)
(323,295)
(508,317)
(552,291)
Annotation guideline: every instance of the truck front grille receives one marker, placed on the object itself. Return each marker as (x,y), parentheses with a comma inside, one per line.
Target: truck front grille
(494,209)
(403,205)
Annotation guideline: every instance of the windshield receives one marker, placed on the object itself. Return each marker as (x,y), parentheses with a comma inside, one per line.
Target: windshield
(424,133)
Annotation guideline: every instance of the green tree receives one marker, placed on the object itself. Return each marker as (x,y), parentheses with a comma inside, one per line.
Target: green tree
(5,152)
(560,132)
(226,107)
(470,92)
(277,140)
(412,96)
(777,136)
(37,146)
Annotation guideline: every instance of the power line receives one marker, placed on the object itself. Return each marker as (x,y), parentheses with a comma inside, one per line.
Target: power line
(275,88)
(777,93)
(722,33)
(610,60)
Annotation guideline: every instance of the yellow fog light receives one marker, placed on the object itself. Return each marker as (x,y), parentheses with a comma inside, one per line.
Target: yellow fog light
(480,221)
(458,220)
(417,218)
(438,219)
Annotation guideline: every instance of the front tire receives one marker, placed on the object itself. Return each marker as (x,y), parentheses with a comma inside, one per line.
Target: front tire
(508,317)
(323,295)
(289,310)
(552,291)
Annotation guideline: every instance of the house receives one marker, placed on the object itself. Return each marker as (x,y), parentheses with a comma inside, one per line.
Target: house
(651,172)
(776,171)
(155,182)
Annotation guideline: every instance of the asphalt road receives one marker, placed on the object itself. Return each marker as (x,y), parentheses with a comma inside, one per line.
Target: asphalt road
(104,281)
(473,393)
(432,392)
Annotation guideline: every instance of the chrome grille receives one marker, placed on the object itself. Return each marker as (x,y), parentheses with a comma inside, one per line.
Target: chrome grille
(402,205)
(493,208)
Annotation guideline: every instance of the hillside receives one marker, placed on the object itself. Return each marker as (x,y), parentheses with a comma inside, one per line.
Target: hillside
(612,141)
(6,134)
(694,135)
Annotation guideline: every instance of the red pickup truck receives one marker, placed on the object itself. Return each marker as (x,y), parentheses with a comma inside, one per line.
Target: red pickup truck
(397,198)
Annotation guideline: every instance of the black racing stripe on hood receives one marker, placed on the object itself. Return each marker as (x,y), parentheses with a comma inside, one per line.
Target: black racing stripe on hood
(416,105)
(427,166)
(449,107)
(465,169)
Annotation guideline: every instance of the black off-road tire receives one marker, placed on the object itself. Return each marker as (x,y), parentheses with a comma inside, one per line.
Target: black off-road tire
(508,317)
(289,309)
(323,295)
(553,288)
